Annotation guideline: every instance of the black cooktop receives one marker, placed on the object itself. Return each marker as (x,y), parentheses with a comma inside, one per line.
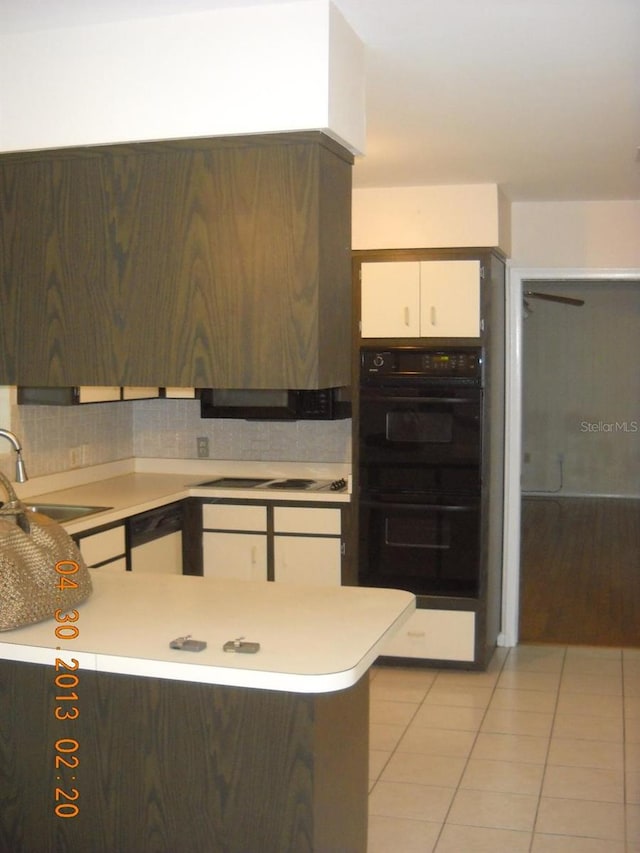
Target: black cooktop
(236,482)
(289,483)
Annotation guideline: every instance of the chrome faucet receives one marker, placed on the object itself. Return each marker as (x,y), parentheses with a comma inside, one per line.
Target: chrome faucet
(21,473)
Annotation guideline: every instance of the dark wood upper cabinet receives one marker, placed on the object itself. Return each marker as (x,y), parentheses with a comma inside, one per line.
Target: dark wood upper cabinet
(212,263)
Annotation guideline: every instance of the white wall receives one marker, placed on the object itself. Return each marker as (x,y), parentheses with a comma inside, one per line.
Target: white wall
(592,234)
(581,400)
(286,67)
(430,217)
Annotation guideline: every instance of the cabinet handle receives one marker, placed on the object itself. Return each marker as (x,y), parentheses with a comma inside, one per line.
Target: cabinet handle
(433,315)
(407,317)
(416,633)
(253,555)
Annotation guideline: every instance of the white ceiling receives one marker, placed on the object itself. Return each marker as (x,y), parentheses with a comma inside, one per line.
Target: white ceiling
(539,96)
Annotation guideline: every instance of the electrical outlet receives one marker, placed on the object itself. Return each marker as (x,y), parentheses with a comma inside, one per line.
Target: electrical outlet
(203,447)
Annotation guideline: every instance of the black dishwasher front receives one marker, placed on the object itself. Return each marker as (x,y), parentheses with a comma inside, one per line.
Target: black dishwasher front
(155,540)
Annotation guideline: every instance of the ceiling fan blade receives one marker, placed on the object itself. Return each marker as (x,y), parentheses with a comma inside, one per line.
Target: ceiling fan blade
(552,297)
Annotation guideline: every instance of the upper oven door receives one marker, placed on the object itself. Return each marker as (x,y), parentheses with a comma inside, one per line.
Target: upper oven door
(417,439)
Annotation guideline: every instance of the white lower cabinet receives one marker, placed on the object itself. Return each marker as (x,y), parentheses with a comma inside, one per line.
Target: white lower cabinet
(307,545)
(235,556)
(234,542)
(160,556)
(307,560)
(104,550)
(287,544)
(436,635)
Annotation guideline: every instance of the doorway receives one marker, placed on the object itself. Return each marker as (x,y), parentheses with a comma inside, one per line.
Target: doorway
(556,471)
(580,461)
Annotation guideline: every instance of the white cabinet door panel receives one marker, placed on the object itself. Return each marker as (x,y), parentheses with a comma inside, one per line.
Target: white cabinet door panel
(105,545)
(235,556)
(390,299)
(307,560)
(450,299)
(160,556)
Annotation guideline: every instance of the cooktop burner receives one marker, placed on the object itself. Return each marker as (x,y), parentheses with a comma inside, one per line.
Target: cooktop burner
(236,482)
(291,484)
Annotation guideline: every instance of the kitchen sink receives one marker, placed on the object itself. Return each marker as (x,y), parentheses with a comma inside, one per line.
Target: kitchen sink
(65,512)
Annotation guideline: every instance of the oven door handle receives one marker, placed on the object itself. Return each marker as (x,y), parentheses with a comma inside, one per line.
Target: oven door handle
(470,507)
(460,400)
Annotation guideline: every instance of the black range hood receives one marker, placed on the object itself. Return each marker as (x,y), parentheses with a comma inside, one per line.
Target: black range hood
(275,404)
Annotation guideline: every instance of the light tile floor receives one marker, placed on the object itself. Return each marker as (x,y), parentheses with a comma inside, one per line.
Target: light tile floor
(540,754)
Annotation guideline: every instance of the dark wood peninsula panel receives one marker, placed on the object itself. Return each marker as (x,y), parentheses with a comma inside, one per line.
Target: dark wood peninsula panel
(216,262)
(196,767)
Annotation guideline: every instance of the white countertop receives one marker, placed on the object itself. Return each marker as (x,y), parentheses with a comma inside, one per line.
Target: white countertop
(312,639)
(154,483)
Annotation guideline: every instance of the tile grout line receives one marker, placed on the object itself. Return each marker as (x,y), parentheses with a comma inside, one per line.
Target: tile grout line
(393,751)
(546,757)
(468,758)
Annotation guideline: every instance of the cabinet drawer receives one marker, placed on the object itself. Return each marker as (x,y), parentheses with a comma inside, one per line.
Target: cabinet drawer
(98,393)
(234,517)
(435,635)
(298,519)
(98,547)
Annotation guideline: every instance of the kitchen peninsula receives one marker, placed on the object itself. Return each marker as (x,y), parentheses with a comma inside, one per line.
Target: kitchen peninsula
(192,751)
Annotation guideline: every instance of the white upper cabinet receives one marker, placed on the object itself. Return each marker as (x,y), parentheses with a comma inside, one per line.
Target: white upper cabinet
(391,299)
(412,299)
(450,299)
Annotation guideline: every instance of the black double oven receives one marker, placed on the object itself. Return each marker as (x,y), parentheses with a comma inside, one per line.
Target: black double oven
(420,469)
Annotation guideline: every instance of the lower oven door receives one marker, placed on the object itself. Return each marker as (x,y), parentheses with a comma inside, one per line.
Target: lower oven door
(425,548)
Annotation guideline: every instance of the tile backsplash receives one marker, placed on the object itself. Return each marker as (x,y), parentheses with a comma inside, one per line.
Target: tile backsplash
(169,428)
(57,438)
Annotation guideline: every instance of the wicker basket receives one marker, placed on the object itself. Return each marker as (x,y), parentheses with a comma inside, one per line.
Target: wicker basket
(37,566)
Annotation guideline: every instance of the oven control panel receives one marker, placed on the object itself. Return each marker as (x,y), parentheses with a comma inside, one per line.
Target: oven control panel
(417,362)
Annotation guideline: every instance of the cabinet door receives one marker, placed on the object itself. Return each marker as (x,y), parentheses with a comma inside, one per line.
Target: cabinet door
(222,262)
(160,556)
(237,548)
(235,556)
(390,299)
(311,560)
(450,299)
(307,559)
(102,547)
